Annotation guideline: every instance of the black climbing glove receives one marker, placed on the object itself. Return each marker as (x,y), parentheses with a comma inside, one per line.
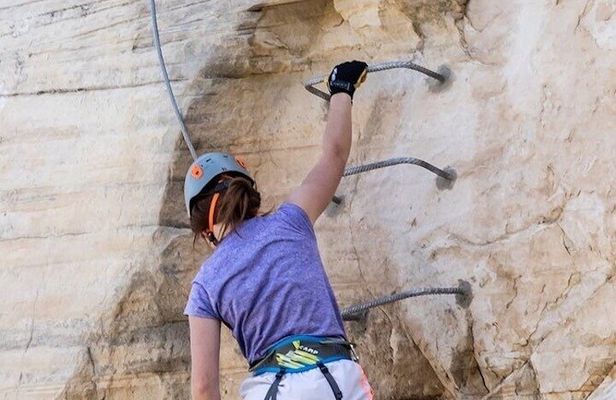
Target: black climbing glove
(347,77)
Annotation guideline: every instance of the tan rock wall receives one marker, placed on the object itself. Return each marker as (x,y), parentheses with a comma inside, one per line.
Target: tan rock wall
(98,257)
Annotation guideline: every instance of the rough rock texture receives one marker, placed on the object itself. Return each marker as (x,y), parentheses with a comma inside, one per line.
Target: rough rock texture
(98,257)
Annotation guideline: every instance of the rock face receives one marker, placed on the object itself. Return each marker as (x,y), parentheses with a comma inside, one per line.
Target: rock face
(98,257)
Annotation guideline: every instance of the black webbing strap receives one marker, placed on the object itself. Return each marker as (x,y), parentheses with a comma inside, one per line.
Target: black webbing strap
(330,379)
(272,393)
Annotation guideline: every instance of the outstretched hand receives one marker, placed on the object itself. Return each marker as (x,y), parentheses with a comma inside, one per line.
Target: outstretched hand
(347,77)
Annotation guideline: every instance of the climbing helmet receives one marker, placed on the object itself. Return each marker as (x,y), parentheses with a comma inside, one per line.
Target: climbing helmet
(205,171)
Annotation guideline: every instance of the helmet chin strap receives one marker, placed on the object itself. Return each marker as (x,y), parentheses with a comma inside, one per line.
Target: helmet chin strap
(210,226)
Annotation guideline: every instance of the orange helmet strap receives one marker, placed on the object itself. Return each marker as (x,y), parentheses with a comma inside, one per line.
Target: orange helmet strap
(213,203)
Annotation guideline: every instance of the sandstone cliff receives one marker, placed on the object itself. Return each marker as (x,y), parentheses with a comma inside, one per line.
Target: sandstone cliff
(97,257)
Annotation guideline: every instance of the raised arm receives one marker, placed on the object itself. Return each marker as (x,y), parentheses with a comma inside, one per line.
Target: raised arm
(319,186)
(205,355)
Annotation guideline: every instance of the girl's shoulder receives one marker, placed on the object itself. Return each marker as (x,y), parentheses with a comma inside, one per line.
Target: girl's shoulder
(295,217)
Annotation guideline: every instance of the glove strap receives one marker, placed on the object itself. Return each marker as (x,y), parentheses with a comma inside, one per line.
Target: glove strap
(343,86)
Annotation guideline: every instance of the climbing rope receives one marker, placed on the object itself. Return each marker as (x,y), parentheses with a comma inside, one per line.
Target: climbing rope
(395,161)
(358,311)
(161,61)
(309,84)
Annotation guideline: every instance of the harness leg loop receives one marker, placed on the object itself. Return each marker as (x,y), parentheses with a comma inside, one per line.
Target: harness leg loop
(330,379)
(272,393)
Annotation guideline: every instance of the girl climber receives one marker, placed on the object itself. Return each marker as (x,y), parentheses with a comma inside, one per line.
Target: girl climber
(265,280)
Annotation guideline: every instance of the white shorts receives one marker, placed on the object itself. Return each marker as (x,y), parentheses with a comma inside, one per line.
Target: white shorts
(311,385)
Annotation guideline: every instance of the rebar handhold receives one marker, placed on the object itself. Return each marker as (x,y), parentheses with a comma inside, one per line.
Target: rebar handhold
(465,296)
(438,85)
(447,183)
(441,77)
(445,72)
(359,316)
(335,206)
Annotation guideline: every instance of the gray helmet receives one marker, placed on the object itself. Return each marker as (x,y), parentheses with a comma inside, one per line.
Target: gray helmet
(206,169)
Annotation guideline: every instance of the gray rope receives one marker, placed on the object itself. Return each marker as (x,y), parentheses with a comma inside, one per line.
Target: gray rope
(395,161)
(161,61)
(309,84)
(356,311)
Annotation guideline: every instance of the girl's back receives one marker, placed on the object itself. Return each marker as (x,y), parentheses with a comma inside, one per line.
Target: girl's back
(266,281)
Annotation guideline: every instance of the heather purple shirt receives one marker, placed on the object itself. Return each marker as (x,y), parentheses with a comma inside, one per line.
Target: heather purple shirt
(266,281)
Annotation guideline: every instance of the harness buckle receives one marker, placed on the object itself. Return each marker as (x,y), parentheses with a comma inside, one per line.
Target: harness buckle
(354,355)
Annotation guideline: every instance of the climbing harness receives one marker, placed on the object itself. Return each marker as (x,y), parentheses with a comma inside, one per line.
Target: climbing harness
(440,76)
(302,353)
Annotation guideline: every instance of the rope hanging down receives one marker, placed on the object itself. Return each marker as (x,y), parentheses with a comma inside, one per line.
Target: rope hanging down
(358,311)
(441,77)
(161,61)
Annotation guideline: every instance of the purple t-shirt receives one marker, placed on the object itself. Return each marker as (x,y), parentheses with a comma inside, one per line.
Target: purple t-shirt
(266,281)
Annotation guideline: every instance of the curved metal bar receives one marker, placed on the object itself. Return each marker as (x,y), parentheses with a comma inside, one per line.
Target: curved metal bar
(395,161)
(309,84)
(358,311)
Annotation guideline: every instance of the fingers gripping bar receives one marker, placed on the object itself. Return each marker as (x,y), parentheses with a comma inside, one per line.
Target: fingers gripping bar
(310,84)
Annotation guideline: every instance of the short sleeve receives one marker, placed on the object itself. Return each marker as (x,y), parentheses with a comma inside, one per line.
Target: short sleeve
(296,217)
(198,304)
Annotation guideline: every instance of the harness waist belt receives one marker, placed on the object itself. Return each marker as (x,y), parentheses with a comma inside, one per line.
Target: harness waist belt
(303,353)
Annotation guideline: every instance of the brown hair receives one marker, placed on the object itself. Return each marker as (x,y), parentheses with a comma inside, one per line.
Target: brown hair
(238,202)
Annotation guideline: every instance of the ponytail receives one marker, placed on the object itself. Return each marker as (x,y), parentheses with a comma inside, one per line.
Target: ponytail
(238,202)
